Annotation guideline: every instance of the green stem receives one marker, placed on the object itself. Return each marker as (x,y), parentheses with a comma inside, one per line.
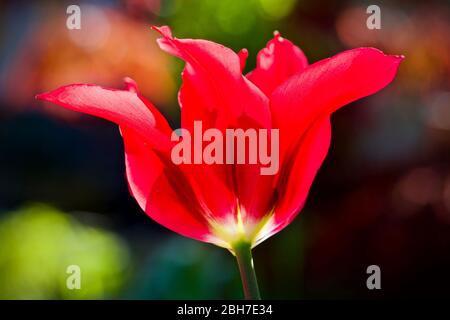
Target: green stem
(243,252)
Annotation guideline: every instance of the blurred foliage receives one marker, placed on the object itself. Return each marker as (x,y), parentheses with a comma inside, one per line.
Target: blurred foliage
(230,22)
(182,268)
(39,243)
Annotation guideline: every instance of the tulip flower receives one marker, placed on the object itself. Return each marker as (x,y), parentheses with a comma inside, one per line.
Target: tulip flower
(233,205)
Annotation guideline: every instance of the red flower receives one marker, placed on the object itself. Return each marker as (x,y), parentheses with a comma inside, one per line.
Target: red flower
(226,203)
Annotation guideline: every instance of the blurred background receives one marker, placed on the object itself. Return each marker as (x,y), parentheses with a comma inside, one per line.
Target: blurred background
(382,196)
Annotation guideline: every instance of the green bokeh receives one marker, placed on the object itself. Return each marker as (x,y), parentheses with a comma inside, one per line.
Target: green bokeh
(236,24)
(38,243)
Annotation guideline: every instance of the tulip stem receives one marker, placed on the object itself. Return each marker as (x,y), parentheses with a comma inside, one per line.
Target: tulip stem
(243,252)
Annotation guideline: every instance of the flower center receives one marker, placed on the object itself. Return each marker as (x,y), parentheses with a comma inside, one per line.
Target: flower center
(237,229)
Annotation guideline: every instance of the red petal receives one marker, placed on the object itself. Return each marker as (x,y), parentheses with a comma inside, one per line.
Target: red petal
(145,133)
(163,191)
(177,197)
(326,86)
(255,190)
(278,61)
(243,55)
(142,164)
(172,204)
(124,108)
(297,177)
(215,92)
(131,85)
(306,98)
(296,181)
(214,89)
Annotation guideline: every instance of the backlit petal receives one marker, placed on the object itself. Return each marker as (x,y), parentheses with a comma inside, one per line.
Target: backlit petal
(278,61)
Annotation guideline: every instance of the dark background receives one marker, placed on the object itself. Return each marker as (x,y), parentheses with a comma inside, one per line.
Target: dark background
(381,197)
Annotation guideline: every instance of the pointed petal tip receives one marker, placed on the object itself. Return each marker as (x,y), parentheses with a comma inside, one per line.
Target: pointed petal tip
(397,59)
(277,36)
(243,51)
(45,96)
(130,85)
(243,55)
(163,30)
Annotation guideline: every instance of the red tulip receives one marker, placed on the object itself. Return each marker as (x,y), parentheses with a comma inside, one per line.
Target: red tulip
(233,205)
